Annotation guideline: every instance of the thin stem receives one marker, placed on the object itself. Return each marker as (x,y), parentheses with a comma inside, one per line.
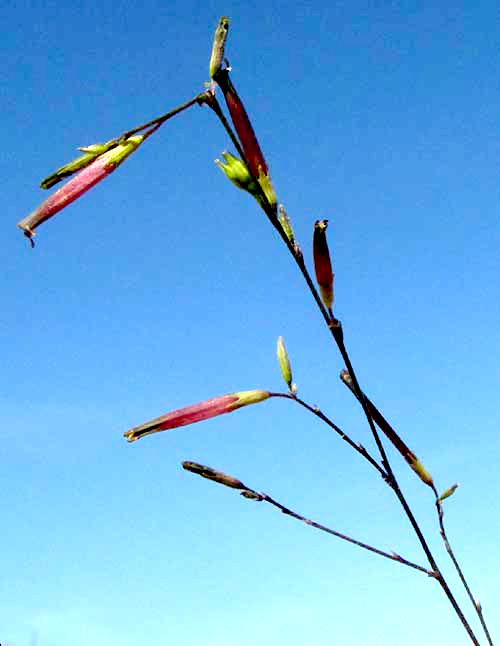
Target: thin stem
(409,456)
(357,447)
(199,98)
(476,605)
(392,556)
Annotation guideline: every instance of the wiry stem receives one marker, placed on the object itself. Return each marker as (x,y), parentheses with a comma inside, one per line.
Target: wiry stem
(357,447)
(475,603)
(335,328)
(252,494)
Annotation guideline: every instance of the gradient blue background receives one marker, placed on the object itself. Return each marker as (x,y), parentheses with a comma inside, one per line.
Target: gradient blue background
(165,285)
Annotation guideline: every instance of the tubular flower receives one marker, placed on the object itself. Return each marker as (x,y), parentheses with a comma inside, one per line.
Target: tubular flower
(198,412)
(253,154)
(322,263)
(80,184)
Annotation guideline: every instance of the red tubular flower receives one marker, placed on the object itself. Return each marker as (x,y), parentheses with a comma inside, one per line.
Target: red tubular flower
(198,412)
(253,154)
(322,263)
(79,184)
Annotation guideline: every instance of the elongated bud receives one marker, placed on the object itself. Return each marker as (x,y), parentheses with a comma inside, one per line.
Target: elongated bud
(322,263)
(100,168)
(284,364)
(213,474)
(244,129)
(220,37)
(448,492)
(198,412)
(390,433)
(91,152)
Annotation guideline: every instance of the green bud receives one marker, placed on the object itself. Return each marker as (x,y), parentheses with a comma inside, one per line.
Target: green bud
(237,171)
(90,154)
(448,492)
(98,149)
(284,362)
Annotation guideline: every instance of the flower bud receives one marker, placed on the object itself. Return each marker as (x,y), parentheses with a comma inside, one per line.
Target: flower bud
(220,37)
(213,474)
(253,154)
(91,152)
(88,177)
(448,492)
(284,362)
(198,412)
(322,263)
(237,171)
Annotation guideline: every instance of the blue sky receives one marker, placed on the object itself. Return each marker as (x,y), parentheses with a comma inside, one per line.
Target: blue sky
(164,286)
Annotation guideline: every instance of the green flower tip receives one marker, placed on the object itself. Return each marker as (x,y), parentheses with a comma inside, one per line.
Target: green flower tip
(420,470)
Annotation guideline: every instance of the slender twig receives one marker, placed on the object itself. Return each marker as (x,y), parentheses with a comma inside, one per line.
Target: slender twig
(393,556)
(158,121)
(475,603)
(410,457)
(247,492)
(357,447)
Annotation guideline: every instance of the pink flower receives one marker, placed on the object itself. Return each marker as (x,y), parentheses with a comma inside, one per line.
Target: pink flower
(79,184)
(198,412)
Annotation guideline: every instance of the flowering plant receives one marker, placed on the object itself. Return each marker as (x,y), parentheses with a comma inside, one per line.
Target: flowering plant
(249,171)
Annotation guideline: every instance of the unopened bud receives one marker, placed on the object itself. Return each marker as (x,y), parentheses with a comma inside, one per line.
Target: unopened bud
(220,37)
(322,263)
(284,362)
(213,474)
(90,154)
(448,492)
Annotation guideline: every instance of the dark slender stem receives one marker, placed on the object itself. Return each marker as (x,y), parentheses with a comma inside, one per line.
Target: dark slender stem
(164,117)
(392,556)
(357,447)
(476,605)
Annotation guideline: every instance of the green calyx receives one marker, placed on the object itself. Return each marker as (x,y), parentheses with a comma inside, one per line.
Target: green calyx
(119,153)
(90,154)
(237,171)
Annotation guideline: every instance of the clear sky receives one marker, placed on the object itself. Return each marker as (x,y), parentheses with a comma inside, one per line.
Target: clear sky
(165,285)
